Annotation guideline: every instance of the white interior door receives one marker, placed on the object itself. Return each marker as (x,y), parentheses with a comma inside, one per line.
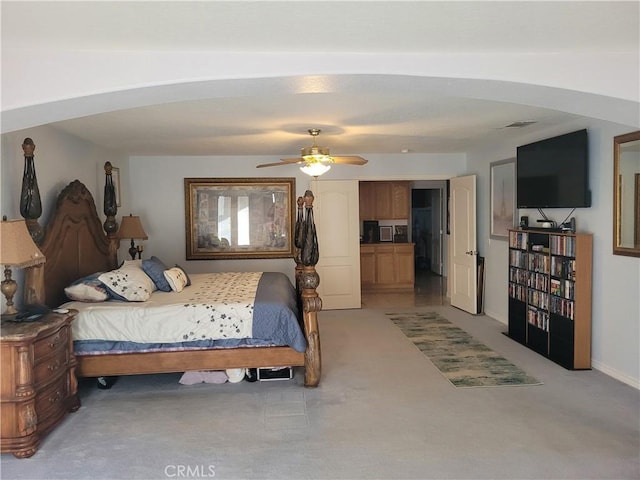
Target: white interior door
(337,215)
(464,252)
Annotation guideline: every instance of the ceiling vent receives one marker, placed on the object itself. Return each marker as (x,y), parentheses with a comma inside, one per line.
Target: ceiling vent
(519,124)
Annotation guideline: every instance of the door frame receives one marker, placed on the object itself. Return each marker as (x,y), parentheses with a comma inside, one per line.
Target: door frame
(445,248)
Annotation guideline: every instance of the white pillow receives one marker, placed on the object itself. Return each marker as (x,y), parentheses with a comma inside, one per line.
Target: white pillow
(177,278)
(129,283)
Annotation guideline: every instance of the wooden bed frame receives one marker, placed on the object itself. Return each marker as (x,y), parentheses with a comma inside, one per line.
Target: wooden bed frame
(75,245)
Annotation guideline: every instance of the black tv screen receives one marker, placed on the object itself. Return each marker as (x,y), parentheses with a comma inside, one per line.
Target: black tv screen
(554,173)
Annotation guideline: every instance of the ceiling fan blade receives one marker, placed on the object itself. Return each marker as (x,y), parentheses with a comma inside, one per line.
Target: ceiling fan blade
(284,161)
(350,160)
(292,160)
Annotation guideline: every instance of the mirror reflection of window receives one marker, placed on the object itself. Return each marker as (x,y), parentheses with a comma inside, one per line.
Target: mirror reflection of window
(224,218)
(243,221)
(233,220)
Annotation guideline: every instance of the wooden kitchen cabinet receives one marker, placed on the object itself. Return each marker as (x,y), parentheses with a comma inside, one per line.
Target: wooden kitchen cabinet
(367,198)
(384,197)
(404,264)
(387,266)
(367,265)
(400,200)
(385,200)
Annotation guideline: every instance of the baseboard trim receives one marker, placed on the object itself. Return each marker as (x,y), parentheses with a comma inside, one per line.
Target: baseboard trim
(612,372)
(496,317)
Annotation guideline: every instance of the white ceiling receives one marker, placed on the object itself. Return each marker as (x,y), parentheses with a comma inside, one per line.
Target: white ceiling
(358,114)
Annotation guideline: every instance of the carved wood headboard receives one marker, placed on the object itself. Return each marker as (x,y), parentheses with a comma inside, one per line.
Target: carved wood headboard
(74,245)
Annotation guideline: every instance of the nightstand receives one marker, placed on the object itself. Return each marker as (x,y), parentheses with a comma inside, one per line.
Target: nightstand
(38,385)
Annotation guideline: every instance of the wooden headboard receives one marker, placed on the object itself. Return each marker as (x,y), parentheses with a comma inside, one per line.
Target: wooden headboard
(74,244)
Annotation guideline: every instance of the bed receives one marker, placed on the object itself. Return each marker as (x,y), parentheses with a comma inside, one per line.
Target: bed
(76,245)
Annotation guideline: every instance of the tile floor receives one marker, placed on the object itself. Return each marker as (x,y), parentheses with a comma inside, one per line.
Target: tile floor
(429,289)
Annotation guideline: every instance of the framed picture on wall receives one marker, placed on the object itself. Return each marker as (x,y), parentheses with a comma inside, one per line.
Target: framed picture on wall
(239,217)
(503,197)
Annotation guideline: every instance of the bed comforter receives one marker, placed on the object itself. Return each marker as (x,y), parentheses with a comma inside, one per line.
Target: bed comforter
(220,310)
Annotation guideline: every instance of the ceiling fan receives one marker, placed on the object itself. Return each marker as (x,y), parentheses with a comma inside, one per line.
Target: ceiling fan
(316,160)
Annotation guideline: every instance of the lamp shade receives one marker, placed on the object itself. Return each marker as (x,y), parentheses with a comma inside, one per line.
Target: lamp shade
(131,227)
(18,248)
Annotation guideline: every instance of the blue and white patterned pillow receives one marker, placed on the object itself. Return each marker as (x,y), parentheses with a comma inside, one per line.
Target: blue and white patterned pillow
(87,289)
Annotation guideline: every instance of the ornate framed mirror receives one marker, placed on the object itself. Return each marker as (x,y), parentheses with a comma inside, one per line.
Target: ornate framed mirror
(626,194)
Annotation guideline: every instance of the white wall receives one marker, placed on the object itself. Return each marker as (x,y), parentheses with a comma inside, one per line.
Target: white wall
(616,279)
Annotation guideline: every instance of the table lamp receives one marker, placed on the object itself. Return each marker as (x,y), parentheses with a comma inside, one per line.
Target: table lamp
(131,227)
(18,251)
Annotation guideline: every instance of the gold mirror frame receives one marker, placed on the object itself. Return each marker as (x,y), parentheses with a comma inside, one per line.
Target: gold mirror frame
(626,194)
(239,217)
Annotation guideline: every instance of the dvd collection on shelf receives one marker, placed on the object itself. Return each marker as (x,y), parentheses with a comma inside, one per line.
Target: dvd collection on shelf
(550,275)
(545,282)
(561,245)
(539,318)
(563,307)
(563,268)
(539,281)
(539,262)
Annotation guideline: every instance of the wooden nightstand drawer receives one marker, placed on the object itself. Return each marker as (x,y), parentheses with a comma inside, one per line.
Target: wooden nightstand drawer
(51,398)
(51,367)
(56,341)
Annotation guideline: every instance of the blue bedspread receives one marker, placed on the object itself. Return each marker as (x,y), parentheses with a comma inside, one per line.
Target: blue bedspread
(275,322)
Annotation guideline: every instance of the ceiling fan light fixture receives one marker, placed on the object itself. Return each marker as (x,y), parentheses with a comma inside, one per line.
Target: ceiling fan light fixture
(315,154)
(316,160)
(315,169)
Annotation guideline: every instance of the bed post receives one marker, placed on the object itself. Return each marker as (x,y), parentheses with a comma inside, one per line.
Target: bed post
(298,243)
(307,280)
(30,203)
(31,209)
(110,209)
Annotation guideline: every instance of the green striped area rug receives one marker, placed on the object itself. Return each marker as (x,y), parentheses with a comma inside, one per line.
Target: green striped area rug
(462,359)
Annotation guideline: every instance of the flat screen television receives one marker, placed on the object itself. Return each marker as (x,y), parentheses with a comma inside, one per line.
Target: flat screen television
(554,173)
